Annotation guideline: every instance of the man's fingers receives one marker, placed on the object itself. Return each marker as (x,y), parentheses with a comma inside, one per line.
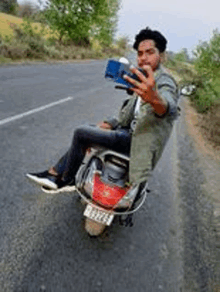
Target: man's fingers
(131,80)
(136,90)
(145,83)
(149,71)
(138,73)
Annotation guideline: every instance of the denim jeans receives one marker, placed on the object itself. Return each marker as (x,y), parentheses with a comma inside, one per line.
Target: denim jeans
(87,136)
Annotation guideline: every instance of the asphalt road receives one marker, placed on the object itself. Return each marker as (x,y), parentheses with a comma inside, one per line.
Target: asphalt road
(43,244)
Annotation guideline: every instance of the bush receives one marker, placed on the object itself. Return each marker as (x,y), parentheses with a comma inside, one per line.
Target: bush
(4,60)
(52,52)
(207,67)
(14,51)
(204,74)
(203,100)
(9,6)
(122,43)
(210,123)
(31,38)
(27,9)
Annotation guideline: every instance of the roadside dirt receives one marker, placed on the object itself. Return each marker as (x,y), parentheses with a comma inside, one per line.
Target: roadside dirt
(200,127)
(209,152)
(203,131)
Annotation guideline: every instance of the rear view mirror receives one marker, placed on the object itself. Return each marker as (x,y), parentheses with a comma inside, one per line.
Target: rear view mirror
(188,90)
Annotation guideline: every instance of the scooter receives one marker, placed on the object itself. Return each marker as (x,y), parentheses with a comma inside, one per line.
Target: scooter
(103,185)
(102,180)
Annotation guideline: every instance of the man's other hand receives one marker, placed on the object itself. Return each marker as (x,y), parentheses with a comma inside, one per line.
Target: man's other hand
(104,125)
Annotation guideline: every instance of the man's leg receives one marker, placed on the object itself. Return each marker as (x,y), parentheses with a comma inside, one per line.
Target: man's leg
(63,173)
(87,136)
(49,178)
(60,166)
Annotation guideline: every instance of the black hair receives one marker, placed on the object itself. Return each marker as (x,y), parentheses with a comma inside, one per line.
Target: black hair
(148,34)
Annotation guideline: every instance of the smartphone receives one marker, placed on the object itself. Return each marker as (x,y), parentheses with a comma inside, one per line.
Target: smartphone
(115,71)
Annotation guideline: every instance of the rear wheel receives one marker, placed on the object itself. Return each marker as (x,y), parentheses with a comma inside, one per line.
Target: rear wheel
(94,228)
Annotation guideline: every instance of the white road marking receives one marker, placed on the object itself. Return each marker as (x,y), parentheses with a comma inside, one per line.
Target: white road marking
(28,113)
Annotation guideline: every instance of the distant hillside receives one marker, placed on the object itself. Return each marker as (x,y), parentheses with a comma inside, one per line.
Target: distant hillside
(6,19)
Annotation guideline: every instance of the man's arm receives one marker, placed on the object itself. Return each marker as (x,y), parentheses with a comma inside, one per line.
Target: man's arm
(158,103)
(168,90)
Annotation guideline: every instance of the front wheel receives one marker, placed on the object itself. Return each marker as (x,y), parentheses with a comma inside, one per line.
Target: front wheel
(94,228)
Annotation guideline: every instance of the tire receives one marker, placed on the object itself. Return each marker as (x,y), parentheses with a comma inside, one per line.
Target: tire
(94,228)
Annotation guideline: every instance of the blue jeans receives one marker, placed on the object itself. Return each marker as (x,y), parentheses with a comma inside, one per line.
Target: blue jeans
(87,136)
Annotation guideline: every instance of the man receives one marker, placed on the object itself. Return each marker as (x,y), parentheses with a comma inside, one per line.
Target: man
(142,129)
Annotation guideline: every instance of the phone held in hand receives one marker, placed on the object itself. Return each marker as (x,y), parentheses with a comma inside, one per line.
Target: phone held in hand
(115,71)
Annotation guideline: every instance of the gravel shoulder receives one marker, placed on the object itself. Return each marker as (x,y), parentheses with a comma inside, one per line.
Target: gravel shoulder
(208,225)
(210,158)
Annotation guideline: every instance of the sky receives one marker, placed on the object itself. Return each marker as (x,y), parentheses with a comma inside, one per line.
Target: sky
(183,23)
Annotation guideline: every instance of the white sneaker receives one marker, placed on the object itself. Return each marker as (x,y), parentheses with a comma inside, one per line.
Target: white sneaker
(44,179)
(67,188)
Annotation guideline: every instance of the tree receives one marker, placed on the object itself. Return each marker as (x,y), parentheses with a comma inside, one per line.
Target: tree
(105,21)
(123,42)
(208,56)
(78,20)
(207,68)
(27,9)
(182,56)
(8,6)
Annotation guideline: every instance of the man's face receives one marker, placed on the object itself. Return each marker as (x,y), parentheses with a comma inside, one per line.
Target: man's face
(148,54)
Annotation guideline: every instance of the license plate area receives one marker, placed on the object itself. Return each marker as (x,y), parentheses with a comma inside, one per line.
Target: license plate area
(98,215)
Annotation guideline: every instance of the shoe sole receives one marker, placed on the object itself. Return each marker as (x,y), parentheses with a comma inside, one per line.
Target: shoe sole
(61,190)
(42,181)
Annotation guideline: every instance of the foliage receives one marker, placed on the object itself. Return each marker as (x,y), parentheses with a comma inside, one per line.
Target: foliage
(28,32)
(28,42)
(8,6)
(208,56)
(80,21)
(182,56)
(123,43)
(24,39)
(207,65)
(204,72)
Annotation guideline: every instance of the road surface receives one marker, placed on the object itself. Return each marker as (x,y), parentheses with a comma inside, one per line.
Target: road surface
(43,244)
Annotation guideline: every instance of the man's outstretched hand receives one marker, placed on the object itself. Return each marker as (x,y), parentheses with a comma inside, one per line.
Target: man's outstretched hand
(145,88)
